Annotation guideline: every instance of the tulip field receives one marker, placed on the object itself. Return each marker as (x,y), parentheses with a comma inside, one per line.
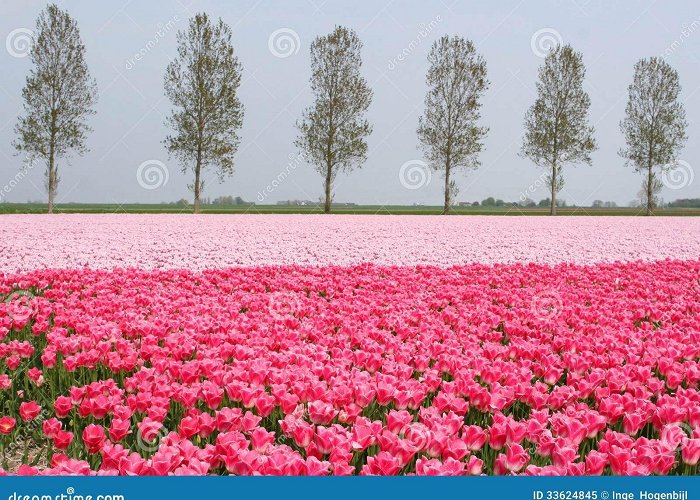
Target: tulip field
(349,345)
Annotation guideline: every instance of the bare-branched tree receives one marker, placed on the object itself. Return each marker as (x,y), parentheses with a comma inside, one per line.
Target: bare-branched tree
(202,83)
(556,126)
(654,125)
(448,130)
(333,130)
(59,96)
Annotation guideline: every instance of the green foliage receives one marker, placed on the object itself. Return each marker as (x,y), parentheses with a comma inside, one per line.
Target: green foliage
(333,130)
(202,84)
(58,95)
(448,130)
(654,125)
(556,126)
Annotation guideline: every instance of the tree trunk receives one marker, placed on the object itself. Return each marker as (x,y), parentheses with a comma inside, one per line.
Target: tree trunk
(650,195)
(197,183)
(446,209)
(52,177)
(553,202)
(327,207)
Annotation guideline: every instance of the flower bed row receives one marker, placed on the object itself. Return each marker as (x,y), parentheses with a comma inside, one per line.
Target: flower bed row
(173,241)
(505,369)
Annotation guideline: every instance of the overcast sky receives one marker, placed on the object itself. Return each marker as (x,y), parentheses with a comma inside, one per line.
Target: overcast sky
(130,42)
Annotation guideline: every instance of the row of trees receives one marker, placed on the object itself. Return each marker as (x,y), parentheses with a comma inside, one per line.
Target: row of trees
(558,131)
(202,84)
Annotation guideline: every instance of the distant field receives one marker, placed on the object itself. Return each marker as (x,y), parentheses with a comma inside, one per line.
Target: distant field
(177,241)
(26,208)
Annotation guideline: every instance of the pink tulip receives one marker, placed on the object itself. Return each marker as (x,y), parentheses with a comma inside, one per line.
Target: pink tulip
(62,406)
(690,450)
(303,434)
(475,466)
(397,421)
(595,463)
(382,464)
(189,426)
(380,370)
(93,437)
(474,436)
(363,435)
(51,426)
(29,410)
(7,424)
(148,429)
(62,439)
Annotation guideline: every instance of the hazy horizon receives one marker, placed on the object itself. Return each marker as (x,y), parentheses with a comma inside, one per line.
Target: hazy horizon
(129,45)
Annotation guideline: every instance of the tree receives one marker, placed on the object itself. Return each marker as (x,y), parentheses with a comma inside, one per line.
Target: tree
(448,130)
(223,200)
(333,131)
(58,95)
(202,83)
(685,203)
(654,124)
(556,126)
(649,193)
